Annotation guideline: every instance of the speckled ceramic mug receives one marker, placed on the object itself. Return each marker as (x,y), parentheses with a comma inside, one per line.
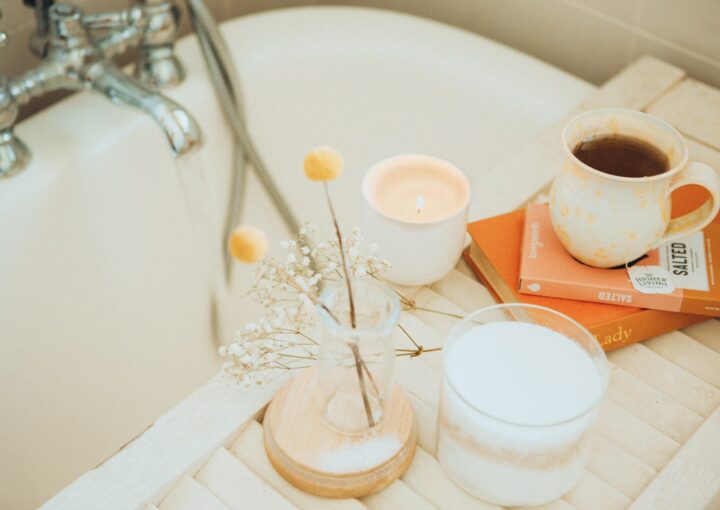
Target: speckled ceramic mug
(607,220)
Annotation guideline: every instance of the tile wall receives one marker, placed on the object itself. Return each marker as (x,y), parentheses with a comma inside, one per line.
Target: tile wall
(592,39)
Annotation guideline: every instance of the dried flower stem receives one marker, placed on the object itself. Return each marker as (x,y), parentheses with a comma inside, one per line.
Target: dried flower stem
(361,378)
(296,285)
(351,301)
(359,363)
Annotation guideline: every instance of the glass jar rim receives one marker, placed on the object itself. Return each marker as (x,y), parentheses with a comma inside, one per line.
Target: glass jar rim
(603,372)
(385,325)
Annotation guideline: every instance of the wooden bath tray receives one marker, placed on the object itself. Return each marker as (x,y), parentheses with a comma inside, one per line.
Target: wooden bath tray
(658,441)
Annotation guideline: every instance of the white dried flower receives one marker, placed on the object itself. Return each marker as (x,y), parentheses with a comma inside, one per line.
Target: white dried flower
(271,344)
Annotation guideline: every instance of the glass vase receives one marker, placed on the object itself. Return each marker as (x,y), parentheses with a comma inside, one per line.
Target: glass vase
(355,365)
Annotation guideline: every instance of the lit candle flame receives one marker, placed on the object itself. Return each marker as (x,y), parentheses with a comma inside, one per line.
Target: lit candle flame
(419,203)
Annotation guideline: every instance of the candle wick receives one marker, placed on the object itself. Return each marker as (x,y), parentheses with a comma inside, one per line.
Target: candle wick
(419,203)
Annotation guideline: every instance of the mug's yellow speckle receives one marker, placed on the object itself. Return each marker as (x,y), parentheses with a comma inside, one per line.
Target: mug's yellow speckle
(578,211)
(564,211)
(563,235)
(248,244)
(590,218)
(631,235)
(323,164)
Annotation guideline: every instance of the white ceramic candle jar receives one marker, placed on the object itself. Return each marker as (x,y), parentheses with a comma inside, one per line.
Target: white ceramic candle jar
(521,388)
(416,211)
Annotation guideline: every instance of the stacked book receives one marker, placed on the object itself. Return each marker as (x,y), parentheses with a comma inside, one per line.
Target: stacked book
(519,258)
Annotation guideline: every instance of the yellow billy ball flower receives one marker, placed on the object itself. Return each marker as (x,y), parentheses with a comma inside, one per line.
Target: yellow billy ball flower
(323,164)
(248,244)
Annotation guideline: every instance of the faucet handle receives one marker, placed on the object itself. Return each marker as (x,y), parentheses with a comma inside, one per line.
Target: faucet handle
(113,19)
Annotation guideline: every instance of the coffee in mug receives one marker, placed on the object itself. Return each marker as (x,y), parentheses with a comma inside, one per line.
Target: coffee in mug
(622,156)
(610,202)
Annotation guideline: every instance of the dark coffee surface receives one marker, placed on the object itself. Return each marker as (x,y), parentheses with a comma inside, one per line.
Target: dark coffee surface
(623,156)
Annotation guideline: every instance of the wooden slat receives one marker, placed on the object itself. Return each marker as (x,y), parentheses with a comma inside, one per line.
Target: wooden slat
(651,406)
(428,298)
(688,354)
(418,378)
(637,86)
(248,447)
(692,478)
(396,496)
(706,333)
(132,477)
(238,487)
(675,382)
(190,495)
(510,184)
(634,436)
(558,504)
(426,477)
(704,154)
(464,291)
(694,108)
(592,493)
(618,468)
(464,268)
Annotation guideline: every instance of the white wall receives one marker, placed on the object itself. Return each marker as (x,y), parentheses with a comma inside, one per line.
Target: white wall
(592,39)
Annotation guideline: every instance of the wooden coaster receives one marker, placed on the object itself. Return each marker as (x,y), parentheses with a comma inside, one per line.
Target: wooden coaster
(317,458)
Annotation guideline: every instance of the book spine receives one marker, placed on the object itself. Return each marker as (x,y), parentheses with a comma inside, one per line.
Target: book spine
(700,305)
(606,295)
(623,331)
(618,332)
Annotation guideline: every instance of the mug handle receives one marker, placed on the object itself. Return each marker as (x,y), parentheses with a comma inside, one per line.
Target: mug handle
(701,175)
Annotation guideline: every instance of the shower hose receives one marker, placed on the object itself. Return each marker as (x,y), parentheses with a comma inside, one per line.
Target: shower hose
(224,77)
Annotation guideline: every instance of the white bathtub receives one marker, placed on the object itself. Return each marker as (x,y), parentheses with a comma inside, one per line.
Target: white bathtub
(104,291)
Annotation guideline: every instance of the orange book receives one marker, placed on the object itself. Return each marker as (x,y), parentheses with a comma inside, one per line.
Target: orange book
(691,264)
(495,257)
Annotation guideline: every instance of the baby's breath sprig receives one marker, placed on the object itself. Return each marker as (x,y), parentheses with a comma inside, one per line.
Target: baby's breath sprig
(288,289)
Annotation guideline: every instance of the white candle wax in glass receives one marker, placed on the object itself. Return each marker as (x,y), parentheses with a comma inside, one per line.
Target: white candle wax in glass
(522,385)
(416,211)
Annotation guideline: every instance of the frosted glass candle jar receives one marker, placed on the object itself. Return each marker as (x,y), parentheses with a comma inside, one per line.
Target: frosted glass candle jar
(521,388)
(416,210)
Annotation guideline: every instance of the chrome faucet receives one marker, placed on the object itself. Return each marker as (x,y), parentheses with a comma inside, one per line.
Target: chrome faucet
(76,57)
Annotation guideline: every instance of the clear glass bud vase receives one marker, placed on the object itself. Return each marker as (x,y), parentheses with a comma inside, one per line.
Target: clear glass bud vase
(356,364)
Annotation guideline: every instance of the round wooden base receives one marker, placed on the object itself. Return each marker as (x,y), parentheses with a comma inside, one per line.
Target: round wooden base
(327,462)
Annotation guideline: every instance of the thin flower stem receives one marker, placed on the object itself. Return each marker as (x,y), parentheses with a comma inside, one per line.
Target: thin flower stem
(370,376)
(359,363)
(408,335)
(298,332)
(449,314)
(351,301)
(363,390)
(285,355)
(416,353)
